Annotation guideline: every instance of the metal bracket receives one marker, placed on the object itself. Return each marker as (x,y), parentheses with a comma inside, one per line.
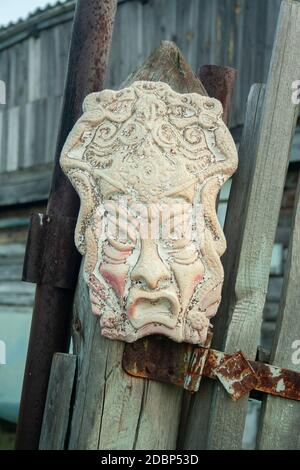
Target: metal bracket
(184,365)
(51,256)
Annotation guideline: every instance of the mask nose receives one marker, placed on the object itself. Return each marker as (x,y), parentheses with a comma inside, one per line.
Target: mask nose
(150,268)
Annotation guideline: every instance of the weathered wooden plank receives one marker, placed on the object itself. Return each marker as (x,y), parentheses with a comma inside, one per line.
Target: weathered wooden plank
(16,293)
(247,264)
(200,409)
(12,79)
(12,249)
(53,108)
(28,157)
(279,423)
(40,130)
(4,142)
(58,402)
(32,184)
(15,309)
(112,409)
(51,17)
(274,289)
(11,271)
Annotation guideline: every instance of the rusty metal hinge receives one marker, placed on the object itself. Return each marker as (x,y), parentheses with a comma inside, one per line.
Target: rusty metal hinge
(184,365)
(51,256)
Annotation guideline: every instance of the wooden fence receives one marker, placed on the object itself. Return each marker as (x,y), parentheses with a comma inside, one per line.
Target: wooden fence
(112,410)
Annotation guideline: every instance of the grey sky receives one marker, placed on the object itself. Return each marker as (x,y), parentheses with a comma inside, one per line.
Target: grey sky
(12,10)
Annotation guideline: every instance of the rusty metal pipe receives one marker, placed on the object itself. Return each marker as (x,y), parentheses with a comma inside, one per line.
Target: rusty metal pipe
(50,329)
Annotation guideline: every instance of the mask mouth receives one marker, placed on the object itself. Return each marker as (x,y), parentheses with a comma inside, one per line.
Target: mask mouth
(161,307)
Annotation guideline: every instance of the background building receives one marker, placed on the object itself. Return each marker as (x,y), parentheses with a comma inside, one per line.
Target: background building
(33,60)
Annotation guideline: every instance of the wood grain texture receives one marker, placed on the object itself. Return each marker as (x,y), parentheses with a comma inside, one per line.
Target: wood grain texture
(244,294)
(279,422)
(57,407)
(113,410)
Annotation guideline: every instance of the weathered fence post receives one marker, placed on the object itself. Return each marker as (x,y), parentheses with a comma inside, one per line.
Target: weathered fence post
(215,422)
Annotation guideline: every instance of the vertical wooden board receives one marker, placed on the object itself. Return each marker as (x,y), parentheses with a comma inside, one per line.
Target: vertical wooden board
(3,142)
(280,418)
(258,53)
(46,48)
(58,402)
(34,68)
(246,48)
(113,74)
(11,84)
(58,75)
(154,23)
(4,121)
(98,383)
(164,18)
(53,112)
(161,402)
(13,139)
(244,298)
(48,63)
(237,25)
(29,123)
(196,434)
(271,20)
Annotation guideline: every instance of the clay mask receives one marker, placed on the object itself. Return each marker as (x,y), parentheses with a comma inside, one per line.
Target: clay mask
(148,163)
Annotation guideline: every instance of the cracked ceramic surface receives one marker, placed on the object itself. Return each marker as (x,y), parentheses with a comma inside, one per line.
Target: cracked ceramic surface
(148,163)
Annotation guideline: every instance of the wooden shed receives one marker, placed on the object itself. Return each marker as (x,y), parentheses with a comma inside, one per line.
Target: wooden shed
(33,60)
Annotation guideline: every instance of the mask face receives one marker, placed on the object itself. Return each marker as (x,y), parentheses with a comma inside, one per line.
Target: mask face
(148,163)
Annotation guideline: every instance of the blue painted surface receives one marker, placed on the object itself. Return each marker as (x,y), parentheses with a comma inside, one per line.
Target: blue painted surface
(14,332)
